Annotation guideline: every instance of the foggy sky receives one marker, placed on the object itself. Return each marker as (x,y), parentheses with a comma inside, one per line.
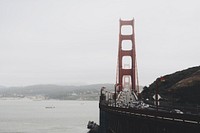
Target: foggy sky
(76,41)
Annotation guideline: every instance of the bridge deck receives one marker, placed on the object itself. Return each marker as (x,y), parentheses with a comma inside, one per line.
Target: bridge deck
(160,122)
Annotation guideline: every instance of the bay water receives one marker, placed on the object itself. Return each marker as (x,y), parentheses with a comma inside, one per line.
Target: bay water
(46,116)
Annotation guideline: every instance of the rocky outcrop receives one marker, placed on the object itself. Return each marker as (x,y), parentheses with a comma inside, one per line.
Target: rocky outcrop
(94,128)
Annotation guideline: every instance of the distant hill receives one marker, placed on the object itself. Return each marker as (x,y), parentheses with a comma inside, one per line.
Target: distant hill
(60,92)
(86,92)
(180,87)
(2,87)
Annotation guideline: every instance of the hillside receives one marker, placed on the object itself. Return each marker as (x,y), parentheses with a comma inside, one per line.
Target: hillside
(182,87)
(85,92)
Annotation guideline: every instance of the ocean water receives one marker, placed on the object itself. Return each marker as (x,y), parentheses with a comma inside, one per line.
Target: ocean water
(46,116)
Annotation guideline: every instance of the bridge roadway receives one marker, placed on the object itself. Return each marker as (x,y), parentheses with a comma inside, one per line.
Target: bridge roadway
(131,120)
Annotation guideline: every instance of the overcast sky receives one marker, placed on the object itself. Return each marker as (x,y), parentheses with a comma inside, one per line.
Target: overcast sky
(76,41)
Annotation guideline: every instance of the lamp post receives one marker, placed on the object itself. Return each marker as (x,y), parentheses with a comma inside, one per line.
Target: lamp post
(161,79)
(157,95)
(115,97)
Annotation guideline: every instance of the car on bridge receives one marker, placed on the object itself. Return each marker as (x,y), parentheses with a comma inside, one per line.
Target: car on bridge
(176,111)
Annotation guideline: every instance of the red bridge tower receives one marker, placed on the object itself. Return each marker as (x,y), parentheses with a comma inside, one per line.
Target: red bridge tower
(127,54)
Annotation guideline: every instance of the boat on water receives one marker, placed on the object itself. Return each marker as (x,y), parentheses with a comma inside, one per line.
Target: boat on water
(50,107)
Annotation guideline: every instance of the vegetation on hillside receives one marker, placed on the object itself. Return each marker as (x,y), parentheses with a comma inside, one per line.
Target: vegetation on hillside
(182,87)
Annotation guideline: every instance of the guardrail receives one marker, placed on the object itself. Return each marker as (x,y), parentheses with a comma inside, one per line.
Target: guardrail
(186,118)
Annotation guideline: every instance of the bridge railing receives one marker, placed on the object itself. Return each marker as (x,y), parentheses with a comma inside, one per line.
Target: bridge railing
(152,114)
(187,108)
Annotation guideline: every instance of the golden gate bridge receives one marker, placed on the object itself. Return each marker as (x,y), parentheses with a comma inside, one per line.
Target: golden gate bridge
(122,112)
